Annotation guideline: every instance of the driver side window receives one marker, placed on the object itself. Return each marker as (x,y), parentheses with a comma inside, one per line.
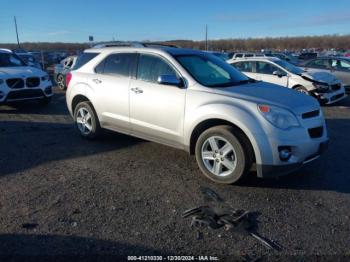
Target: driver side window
(151,67)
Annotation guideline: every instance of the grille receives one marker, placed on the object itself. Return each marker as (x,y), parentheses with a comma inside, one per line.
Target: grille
(33,82)
(336,87)
(336,97)
(310,114)
(15,83)
(316,132)
(26,93)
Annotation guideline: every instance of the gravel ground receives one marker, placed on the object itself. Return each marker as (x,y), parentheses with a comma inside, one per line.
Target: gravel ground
(120,196)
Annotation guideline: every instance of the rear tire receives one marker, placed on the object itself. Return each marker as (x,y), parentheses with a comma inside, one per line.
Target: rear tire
(221,155)
(86,120)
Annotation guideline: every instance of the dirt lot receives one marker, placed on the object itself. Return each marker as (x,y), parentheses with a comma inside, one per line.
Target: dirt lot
(62,195)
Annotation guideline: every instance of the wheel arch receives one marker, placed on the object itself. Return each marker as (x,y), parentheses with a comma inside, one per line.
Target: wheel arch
(208,123)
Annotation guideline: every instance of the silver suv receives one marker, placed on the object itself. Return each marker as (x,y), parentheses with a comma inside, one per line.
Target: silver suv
(194,101)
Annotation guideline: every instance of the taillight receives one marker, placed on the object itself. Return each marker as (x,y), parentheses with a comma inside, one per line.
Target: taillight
(68,78)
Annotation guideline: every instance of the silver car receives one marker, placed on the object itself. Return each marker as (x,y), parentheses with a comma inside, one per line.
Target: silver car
(196,102)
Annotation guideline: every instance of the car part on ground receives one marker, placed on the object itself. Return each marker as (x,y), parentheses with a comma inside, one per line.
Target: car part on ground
(216,214)
(19,82)
(187,99)
(322,85)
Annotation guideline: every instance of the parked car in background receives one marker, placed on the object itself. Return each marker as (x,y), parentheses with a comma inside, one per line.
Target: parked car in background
(28,58)
(244,55)
(337,66)
(282,56)
(194,101)
(61,70)
(323,86)
(20,82)
(307,56)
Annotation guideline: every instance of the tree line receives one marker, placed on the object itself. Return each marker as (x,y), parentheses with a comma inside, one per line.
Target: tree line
(338,42)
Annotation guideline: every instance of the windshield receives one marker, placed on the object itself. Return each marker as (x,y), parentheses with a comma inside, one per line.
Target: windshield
(10,60)
(211,71)
(289,67)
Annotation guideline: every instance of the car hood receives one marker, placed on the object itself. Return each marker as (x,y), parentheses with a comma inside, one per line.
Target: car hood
(20,71)
(319,76)
(266,93)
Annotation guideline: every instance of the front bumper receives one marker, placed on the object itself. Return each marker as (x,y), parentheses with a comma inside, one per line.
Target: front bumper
(267,171)
(24,94)
(331,97)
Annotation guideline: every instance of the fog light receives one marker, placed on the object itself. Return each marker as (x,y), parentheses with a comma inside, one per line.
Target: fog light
(285,152)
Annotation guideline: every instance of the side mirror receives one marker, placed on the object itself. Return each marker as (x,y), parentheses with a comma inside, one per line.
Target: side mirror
(279,73)
(170,80)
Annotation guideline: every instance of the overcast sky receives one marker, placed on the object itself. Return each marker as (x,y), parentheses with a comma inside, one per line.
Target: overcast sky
(75,20)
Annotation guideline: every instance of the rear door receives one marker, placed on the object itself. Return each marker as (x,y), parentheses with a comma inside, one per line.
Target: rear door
(156,110)
(111,90)
(265,72)
(246,67)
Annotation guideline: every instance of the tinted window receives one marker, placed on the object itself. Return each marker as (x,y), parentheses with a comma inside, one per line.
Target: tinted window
(244,66)
(211,71)
(266,68)
(238,55)
(318,63)
(83,59)
(116,64)
(248,55)
(151,67)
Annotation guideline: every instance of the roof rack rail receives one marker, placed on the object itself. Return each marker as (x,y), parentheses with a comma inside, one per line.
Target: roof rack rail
(132,44)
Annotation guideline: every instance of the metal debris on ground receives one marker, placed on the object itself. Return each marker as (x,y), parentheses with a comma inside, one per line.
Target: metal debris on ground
(218,214)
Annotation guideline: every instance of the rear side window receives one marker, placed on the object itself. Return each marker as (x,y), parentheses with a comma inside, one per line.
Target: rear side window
(151,67)
(83,59)
(116,64)
(244,66)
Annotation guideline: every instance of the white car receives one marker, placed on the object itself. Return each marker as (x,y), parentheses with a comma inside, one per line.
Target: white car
(19,82)
(197,102)
(323,86)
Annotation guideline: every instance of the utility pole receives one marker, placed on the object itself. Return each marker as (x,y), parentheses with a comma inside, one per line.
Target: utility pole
(206,37)
(17,32)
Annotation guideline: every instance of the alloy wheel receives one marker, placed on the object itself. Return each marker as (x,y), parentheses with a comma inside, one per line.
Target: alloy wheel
(219,156)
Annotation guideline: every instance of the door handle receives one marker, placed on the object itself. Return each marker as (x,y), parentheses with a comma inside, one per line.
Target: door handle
(97,81)
(137,90)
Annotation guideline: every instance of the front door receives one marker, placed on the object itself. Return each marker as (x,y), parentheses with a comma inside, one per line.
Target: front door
(156,110)
(265,71)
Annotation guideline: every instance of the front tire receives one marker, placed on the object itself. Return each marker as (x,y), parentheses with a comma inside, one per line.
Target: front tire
(303,90)
(61,82)
(86,120)
(221,156)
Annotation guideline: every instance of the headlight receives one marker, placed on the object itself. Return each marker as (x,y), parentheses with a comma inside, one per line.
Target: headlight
(320,86)
(45,78)
(279,117)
